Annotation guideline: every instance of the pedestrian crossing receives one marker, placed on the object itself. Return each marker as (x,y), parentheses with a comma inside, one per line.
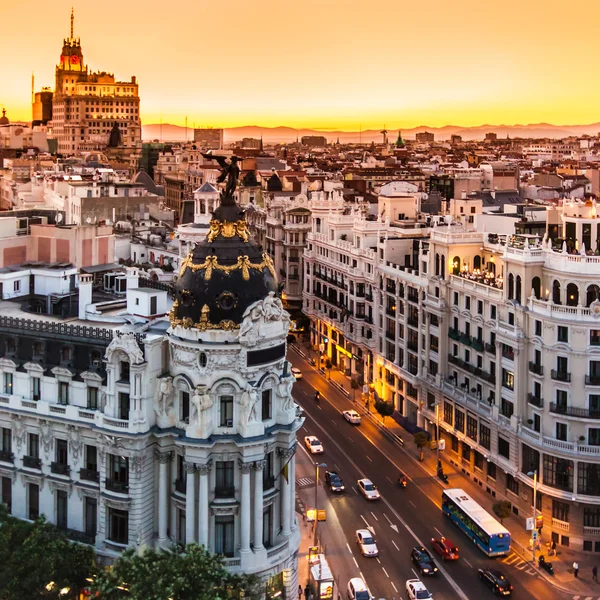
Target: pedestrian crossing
(586,597)
(304,482)
(514,560)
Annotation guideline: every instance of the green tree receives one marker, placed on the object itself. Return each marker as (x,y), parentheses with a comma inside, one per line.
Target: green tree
(385,409)
(355,386)
(192,573)
(36,555)
(421,440)
(502,509)
(329,366)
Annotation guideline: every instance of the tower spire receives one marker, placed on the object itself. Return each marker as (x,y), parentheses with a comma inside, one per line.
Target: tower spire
(72,20)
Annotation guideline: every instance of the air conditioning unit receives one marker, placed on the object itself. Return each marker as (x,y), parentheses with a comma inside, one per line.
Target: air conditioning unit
(229,423)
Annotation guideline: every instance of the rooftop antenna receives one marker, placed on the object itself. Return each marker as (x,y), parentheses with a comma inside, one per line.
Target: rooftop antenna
(72,20)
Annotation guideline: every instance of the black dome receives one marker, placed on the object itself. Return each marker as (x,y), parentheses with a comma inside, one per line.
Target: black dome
(222,276)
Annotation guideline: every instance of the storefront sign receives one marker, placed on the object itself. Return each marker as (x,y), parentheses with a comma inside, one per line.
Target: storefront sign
(326,590)
(343,351)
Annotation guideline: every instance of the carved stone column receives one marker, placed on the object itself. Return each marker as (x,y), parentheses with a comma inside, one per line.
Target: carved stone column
(164,459)
(286,502)
(292,478)
(259,465)
(245,468)
(203,504)
(190,503)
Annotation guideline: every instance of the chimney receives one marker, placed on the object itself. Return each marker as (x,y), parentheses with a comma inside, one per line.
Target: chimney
(132,278)
(85,293)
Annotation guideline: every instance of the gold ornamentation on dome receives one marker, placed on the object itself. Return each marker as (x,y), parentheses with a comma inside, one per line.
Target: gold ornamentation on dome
(227,325)
(203,324)
(228,229)
(243,263)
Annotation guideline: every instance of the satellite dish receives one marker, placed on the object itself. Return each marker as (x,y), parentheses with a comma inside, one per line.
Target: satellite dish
(59,218)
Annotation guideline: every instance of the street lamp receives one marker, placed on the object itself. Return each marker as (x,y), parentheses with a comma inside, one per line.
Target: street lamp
(437,433)
(317,466)
(534,475)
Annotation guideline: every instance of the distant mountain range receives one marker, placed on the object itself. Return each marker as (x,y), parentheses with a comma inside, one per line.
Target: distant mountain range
(271,135)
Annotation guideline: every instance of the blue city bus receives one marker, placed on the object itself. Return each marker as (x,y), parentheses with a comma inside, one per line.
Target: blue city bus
(490,536)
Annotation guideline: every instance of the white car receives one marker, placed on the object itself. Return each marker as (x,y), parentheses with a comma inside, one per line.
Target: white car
(297,373)
(366,543)
(416,590)
(313,444)
(367,489)
(358,590)
(352,417)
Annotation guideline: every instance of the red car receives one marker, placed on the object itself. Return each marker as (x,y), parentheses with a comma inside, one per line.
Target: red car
(445,548)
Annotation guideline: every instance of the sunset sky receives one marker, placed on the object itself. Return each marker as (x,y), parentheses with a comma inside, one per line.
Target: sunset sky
(327,64)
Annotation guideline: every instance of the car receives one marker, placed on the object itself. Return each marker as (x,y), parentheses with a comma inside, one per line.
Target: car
(366,543)
(446,548)
(416,590)
(496,580)
(334,481)
(352,417)
(358,590)
(313,444)
(297,373)
(367,489)
(423,561)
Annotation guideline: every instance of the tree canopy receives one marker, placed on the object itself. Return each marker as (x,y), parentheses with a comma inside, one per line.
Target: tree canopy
(190,574)
(37,559)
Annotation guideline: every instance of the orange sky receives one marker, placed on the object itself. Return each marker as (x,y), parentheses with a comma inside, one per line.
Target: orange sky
(328,64)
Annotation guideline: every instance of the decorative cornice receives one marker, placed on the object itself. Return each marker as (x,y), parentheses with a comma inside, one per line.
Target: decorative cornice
(189,467)
(163,457)
(259,465)
(243,263)
(245,467)
(114,503)
(204,469)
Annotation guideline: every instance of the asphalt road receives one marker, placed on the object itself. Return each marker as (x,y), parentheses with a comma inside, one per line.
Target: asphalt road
(403,518)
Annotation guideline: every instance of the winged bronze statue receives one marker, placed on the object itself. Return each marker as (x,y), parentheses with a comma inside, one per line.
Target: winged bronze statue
(230,171)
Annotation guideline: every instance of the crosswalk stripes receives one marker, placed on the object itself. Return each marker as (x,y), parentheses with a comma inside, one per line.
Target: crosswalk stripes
(304,481)
(585,598)
(518,563)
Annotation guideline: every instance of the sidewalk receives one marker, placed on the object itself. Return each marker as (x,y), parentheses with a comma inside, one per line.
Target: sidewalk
(563,571)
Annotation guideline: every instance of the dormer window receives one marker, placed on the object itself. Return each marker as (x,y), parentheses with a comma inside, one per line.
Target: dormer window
(38,350)
(66,354)
(11,346)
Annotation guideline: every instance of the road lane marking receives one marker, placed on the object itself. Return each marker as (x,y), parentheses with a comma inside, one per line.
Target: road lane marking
(465,560)
(378,560)
(412,503)
(390,480)
(361,575)
(367,524)
(333,421)
(393,542)
(415,573)
(386,573)
(349,549)
(441,534)
(374,516)
(319,407)
(367,457)
(395,588)
(354,559)
(336,467)
(354,490)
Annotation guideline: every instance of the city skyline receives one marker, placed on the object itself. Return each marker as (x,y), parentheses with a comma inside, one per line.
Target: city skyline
(507,73)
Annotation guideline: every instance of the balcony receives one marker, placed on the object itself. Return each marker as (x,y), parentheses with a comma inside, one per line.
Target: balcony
(89,475)
(80,536)
(592,380)
(453,333)
(562,525)
(491,348)
(60,468)
(465,339)
(477,344)
(535,400)
(536,368)
(561,376)
(572,411)
(180,486)
(6,456)
(227,491)
(120,487)
(32,462)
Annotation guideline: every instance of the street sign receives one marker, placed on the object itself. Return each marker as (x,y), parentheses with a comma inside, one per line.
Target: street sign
(529,523)
(442,444)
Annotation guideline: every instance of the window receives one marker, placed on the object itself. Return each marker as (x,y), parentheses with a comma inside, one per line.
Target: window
(594,436)
(459,415)
(33,501)
(468,302)
(36,388)
(8,383)
(6,493)
(530,460)
(268,526)
(124,370)
(118,469)
(478,460)
(561,399)
(561,432)
(508,379)
(538,328)
(484,436)
(512,485)
(466,452)
(479,307)
(123,406)
(594,337)
(17,286)
(560,510)
(266,405)
(507,408)
(118,526)
(91,458)
(511,318)
(454,444)
(472,427)
(92,398)
(588,479)
(6,441)
(268,479)
(224,473)
(184,407)
(226,414)
(90,516)
(493,313)
(558,473)
(563,334)
(33,445)
(61,509)
(62,452)
(63,392)
(591,516)
(448,413)
(455,299)
(224,535)
(503,447)
(491,470)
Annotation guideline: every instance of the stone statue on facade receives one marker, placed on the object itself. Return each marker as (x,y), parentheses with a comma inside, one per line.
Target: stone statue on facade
(164,396)
(248,405)
(284,389)
(201,403)
(230,172)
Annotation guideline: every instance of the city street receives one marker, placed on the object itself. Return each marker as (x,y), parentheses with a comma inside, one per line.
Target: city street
(403,518)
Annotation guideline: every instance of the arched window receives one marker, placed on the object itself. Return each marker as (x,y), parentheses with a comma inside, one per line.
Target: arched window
(556,292)
(572,295)
(477,262)
(437,264)
(593,293)
(536,286)
(491,267)
(66,353)
(518,289)
(511,286)
(456,265)
(443,264)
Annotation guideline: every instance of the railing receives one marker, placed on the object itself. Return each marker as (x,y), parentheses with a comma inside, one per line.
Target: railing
(180,486)
(453,333)
(592,380)
(60,468)
(558,524)
(120,423)
(6,456)
(116,486)
(89,475)
(28,404)
(490,348)
(59,410)
(268,483)
(536,368)
(413,297)
(477,344)
(86,414)
(535,400)
(572,411)
(274,551)
(225,492)
(591,530)
(32,462)
(80,536)
(561,375)
(412,346)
